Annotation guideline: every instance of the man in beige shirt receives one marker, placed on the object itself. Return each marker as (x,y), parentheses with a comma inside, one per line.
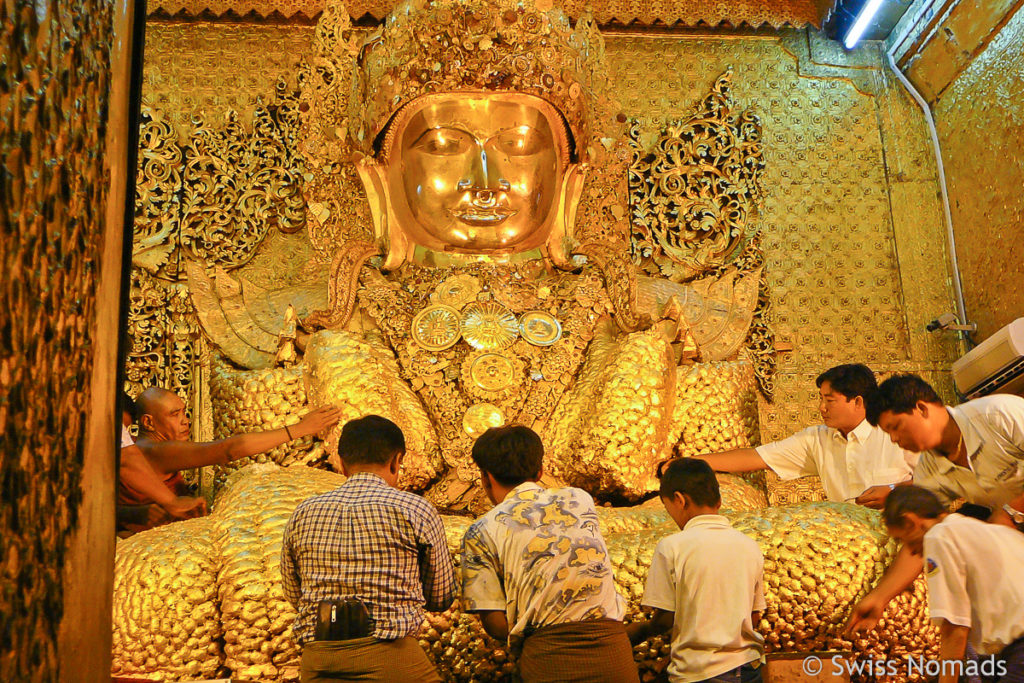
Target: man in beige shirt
(974,451)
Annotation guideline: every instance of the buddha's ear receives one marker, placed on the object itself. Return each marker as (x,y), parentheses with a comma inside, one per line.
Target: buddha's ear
(561,239)
(392,240)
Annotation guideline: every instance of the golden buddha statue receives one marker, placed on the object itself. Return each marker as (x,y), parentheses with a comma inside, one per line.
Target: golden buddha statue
(470,194)
(487,277)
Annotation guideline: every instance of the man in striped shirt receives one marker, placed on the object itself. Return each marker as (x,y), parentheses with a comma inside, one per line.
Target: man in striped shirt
(368,541)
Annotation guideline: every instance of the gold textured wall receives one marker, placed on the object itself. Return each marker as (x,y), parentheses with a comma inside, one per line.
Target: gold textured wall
(857,258)
(979,117)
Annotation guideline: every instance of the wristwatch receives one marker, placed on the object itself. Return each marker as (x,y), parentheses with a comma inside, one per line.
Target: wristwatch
(1016,515)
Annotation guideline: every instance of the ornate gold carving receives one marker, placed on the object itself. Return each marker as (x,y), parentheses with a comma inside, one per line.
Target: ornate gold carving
(436,328)
(249,176)
(456,291)
(158,196)
(341,292)
(214,198)
(165,336)
(492,375)
(540,328)
(478,46)
(694,194)
(689,13)
(480,417)
(489,326)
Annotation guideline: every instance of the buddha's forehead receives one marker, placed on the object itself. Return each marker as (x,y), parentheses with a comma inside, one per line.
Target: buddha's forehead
(478,113)
(486,112)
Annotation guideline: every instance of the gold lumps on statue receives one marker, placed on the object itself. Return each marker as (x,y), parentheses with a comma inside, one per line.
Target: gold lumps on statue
(540,328)
(487,326)
(480,417)
(437,328)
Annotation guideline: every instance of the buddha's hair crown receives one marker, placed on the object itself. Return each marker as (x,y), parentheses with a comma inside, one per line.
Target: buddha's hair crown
(437,46)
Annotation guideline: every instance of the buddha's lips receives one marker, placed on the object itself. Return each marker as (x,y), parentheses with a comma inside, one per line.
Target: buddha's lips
(480,216)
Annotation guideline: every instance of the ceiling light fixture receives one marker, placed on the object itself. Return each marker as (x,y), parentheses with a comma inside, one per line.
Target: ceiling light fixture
(867,13)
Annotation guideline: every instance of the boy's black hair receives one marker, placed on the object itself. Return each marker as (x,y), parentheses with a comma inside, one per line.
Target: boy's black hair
(850,380)
(691,477)
(371,440)
(904,499)
(511,454)
(899,394)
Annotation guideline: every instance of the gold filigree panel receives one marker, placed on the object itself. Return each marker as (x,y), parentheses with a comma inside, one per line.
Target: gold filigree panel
(165,338)
(694,194)
(837,229)
(980,120)
(797,13)
(210,69)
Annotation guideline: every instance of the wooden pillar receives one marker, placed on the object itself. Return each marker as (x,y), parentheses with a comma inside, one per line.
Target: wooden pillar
(64,149)
(84,638)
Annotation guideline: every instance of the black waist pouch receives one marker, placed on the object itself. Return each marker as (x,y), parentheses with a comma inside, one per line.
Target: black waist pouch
(341,619)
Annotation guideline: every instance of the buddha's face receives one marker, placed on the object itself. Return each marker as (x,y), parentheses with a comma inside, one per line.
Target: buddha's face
(476,173)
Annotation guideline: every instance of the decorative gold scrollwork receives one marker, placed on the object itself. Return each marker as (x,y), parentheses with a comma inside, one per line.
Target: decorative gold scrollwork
(237,185)
(165,337)
(692,196)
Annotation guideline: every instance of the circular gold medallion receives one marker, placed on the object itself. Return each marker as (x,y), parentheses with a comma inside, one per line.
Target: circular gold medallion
(480,417)
(540,328)
(487,326)
(491,371)
(457,291)
(436,328)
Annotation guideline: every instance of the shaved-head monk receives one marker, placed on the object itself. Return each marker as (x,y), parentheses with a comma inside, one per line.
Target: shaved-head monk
(164,431)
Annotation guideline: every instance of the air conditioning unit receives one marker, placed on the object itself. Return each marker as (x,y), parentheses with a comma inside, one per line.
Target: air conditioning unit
(995,365)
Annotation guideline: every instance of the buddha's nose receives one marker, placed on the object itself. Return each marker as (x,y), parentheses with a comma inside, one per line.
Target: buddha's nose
(483,181)
(483,195)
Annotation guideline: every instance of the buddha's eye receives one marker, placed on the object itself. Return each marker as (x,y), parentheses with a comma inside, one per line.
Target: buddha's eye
(519,141)
(444,141)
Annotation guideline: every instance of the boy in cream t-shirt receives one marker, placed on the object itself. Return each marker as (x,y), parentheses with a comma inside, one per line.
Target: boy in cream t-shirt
(705,583)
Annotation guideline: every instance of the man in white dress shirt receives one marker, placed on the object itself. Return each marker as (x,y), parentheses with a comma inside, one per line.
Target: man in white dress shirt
(856,461)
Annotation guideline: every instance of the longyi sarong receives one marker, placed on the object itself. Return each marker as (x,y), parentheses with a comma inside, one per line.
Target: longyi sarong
(366,659)
(579,652)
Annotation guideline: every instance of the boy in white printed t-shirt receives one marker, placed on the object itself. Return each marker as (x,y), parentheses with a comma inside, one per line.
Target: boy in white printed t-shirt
(705,583)
(975,591)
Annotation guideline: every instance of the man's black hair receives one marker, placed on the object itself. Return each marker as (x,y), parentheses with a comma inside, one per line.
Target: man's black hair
(904,499)
(691,477)
(511,454)
(370,440)
(850,380)
(127,405)
(899,394)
